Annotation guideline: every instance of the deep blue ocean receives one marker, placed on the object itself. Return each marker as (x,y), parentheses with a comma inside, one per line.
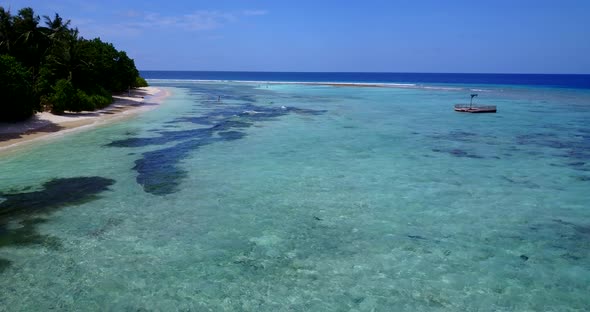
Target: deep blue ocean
(543,80)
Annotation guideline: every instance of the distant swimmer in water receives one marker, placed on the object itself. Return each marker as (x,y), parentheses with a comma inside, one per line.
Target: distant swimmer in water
(219,98)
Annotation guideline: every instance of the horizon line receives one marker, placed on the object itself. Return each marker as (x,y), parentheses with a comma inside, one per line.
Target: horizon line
(359,72)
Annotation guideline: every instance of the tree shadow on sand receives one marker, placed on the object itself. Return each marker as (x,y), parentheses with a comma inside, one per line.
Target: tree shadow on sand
(11,131)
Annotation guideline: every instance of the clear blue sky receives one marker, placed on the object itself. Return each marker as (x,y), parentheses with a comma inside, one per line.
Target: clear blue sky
(495,36)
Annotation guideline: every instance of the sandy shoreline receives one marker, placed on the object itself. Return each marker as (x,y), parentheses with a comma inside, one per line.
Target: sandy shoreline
(45,125)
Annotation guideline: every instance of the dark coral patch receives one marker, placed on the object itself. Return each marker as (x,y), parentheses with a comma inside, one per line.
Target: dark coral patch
(231,135)
(20,213)
(158,170)
(54,194)
(457,152)
(200,120)
(224,110)
(26,234)
(576,149)
(4,264)
(229,124)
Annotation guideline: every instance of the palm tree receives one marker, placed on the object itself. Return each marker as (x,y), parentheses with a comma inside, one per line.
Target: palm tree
(6,31)
(30,44)
(56,29)
(25,26)
(62,41)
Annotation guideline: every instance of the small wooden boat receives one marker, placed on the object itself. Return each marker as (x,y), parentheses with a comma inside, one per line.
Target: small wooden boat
(470,108)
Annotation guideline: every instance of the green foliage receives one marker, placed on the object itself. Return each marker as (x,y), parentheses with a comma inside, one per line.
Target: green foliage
(6,31)
(83,102)
(63,71)
(46,79)
(63,97)
(67,98)
(107,67)
(140,82)
(16,93)
(91,102)
(101,101)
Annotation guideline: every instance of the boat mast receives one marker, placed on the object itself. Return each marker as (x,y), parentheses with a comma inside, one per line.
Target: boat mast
(471,102)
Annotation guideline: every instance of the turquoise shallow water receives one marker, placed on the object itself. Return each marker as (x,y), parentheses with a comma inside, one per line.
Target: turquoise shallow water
(307,198)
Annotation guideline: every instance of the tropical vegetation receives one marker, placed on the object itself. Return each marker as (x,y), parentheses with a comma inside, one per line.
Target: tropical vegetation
(49,66)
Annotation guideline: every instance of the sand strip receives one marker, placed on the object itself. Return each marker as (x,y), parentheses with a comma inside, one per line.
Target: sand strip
(45,125)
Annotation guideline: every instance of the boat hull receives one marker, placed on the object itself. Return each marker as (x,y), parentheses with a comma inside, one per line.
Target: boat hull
(462,108)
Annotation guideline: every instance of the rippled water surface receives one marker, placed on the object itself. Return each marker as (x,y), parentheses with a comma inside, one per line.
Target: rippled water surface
(294,197)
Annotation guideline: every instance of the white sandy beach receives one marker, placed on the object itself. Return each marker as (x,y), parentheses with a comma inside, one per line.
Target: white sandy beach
(45,125)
